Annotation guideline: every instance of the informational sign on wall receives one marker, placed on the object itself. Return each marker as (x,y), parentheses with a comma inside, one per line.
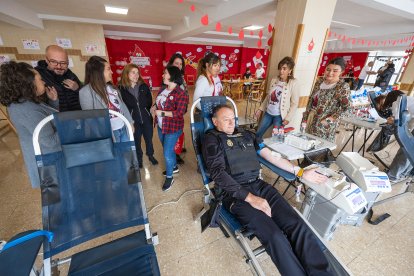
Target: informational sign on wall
(4,58)
(64,42)
(31,44)
(91,48)
(1,41)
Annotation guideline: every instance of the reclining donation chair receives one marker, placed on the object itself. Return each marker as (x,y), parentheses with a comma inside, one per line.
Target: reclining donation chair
(92,187)
(227,222)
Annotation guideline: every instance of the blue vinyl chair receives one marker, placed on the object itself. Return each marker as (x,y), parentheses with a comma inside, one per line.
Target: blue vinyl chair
(404,136)
(230,226)
(90,188)
(18,255)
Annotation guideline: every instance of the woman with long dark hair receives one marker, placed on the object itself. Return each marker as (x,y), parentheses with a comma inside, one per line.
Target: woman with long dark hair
(168,110)
(281,101)
(177,60)
(100,93)
(137,97)
(208,82)
(28,102)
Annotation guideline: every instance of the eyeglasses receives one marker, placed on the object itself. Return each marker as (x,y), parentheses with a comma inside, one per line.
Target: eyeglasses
(56,63)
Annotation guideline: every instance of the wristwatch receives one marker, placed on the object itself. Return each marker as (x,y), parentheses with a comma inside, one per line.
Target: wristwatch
(162,114)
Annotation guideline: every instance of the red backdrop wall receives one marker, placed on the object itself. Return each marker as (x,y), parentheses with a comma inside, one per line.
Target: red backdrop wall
(354,60)
(152,56)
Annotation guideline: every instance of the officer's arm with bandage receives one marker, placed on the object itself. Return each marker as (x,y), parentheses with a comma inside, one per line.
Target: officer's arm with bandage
(286,165)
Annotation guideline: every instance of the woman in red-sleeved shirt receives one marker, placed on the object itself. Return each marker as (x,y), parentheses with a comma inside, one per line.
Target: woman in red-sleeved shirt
(169,108)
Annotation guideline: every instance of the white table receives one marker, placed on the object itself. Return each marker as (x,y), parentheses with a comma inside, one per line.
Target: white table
(361,123)
(292,153)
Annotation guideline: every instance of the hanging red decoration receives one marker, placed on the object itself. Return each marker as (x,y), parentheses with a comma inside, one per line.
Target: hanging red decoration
(251,33)
(192,8)
(412,44)
(260,34)
(353,41)
(258,55)
(369,43)
(241,35)
(204,20)
(180,1)
(349,40)
(362,42)
(329,34)
(259,43)
(230,30)
(269,28)
(311,45)
(218,26)
(269,41)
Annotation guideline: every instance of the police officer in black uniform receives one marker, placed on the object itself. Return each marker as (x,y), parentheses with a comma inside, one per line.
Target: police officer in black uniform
(231,159)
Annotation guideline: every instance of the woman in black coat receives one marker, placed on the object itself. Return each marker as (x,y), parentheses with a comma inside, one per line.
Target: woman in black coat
(137,97)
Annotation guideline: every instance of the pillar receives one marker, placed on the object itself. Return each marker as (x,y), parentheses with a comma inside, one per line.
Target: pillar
(301,29)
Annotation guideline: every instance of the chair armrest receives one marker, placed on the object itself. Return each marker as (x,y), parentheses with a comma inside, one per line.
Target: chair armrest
(284,174)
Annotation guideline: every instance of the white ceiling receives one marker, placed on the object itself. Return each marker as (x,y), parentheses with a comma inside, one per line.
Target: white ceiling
(164,19)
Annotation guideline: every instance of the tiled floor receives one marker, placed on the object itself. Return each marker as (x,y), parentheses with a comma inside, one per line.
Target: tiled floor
(385,249)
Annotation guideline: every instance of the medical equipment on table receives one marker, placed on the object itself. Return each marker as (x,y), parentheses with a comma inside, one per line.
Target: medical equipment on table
(301,141)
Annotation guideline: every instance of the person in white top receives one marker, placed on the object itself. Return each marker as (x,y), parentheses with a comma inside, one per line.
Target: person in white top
(208,82)
(260,72)
(364,72)
(281,100)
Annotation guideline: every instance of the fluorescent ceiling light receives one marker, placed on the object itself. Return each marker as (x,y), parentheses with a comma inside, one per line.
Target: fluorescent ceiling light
(253,27)
(343,23)
(332,39)
(110,9)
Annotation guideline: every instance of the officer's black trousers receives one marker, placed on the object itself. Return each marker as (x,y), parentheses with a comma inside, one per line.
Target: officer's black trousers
(293,247)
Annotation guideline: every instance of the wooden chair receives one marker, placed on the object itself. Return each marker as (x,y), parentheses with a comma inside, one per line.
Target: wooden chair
(5,117)
(238,92)
(190,80)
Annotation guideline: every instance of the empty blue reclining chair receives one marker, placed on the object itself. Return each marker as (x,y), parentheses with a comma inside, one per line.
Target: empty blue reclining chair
(227,222)
(403,134)
(92,187)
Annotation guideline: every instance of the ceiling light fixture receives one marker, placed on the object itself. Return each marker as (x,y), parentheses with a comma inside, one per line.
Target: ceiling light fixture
(253,27)
(116,10)
(343,23)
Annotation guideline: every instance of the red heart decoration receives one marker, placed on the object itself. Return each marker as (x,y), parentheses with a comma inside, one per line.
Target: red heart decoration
(269,42)
(204,20)
(241,35)
(218,26)
(230,30)
(258,54)
(192,8)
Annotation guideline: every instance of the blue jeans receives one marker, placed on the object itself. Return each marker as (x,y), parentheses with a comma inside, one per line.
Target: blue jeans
(360,83)
(121,135)
(168,142)
(266,122)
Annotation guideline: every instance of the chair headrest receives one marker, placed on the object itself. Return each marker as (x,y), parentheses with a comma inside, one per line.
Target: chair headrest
(207,105)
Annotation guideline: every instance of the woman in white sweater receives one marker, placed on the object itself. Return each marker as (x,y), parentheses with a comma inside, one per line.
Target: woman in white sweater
(281,100)
(208,82)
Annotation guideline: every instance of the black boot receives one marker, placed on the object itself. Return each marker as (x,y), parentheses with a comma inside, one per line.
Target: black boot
(153,160)
(179,159)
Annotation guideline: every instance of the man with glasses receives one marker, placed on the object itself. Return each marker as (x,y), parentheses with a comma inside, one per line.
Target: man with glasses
(55,73)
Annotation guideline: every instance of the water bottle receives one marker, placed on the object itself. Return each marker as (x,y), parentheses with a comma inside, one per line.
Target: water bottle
(303,127)
(282,133)
(275,133)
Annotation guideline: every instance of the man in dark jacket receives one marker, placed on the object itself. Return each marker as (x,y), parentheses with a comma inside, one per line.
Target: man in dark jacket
(55,73)
(385,77)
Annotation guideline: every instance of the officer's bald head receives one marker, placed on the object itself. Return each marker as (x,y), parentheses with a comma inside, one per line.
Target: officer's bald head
(224,119)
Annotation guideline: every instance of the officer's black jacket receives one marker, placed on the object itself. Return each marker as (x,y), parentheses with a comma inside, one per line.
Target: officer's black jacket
(214,157)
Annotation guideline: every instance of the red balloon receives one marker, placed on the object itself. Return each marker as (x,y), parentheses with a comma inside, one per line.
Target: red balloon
(230,30)
(241,35)
(218,26)
(204,20)
(192,8)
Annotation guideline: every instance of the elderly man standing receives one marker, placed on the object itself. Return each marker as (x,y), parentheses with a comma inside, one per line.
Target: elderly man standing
(55,73)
